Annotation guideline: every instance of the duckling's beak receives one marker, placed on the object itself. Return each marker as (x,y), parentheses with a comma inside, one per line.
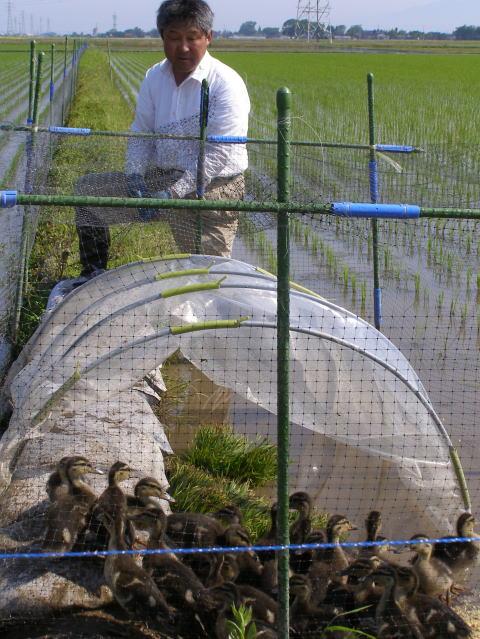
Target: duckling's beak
(352,527)
(97,471)
(167,497)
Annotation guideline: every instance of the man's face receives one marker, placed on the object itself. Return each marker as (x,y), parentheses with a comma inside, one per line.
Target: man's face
(184,46)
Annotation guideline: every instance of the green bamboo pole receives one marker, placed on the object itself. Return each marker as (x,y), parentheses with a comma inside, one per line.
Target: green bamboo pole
(109,60)
(31,86)
(64,79)
(38,86)
(72,73)
(283,346)
(165,136)
(201,163)
(52,86)
(23,257)
(374,196)
(220,205)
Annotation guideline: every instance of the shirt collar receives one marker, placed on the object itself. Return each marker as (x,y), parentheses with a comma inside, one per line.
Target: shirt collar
(203,68)
(199,74)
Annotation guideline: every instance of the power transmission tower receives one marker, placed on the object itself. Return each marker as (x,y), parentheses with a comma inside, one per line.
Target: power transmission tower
(313,19)
(9,18)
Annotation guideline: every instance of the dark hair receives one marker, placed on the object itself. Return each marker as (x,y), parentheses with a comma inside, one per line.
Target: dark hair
(194,12)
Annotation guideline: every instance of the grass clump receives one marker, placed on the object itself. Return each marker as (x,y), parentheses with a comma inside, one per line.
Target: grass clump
(197,490)
(225,454)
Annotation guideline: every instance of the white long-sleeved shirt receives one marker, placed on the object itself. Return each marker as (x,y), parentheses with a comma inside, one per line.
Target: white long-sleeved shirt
(164,107)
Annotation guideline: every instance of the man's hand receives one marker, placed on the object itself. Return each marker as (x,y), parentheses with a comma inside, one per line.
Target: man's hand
(137,187)
(163,195)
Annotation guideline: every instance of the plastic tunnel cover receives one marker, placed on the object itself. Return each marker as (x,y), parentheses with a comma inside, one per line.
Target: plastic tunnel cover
(360,437)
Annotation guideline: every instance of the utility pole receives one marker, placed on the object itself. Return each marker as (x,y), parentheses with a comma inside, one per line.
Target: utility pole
(313,19)
(114,21)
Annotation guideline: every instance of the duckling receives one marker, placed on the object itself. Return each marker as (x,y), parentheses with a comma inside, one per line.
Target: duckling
(389,620)
(177,582)
(328,562)
(214,607)
(132,587)
(230,514)
(435,619)
(57,483)
(343,595)
(264,608)
(301,560)
(249,565)
(373,525)
(305,616)
(459,556)
(302,526)
(67,516)
(193,530)
(435,577)
(148,490)
(113,501)
(270,537)
(224,567)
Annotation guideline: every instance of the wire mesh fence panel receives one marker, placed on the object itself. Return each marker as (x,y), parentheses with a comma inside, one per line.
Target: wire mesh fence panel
(153,378)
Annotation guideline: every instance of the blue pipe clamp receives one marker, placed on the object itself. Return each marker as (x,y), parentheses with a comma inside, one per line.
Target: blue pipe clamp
(377,210)
(68,130)
(8,199)
(394,148)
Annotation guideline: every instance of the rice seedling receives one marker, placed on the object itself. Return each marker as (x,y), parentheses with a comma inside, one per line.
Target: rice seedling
(198,490)
(417,286)
(463,315)
(218,450)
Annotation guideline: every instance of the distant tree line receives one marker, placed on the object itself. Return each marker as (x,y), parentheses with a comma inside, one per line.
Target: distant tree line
(293,28)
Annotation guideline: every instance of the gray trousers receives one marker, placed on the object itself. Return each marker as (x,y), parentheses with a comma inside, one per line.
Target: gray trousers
(218,227)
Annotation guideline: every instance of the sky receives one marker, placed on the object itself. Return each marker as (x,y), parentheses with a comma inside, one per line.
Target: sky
(65,16)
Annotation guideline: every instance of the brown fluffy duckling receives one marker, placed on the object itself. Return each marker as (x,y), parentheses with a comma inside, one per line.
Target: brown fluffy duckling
(388,620)
(434,576)
(132,587)
(230,514)
(148,490)
(459,556)
(67,516)
(329,562)
(113,499)
(305,616)
(193,530)
(435,619)
(249,565)
(57,483)
(302,526)
(177,581)
(373,525)
(270,537)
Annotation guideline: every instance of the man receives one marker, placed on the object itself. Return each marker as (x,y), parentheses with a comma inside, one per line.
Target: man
(169,103)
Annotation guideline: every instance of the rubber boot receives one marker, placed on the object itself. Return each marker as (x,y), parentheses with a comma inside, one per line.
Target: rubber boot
(94,244)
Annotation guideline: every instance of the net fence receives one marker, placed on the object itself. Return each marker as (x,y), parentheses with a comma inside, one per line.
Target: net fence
(167,364)
(25,160)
